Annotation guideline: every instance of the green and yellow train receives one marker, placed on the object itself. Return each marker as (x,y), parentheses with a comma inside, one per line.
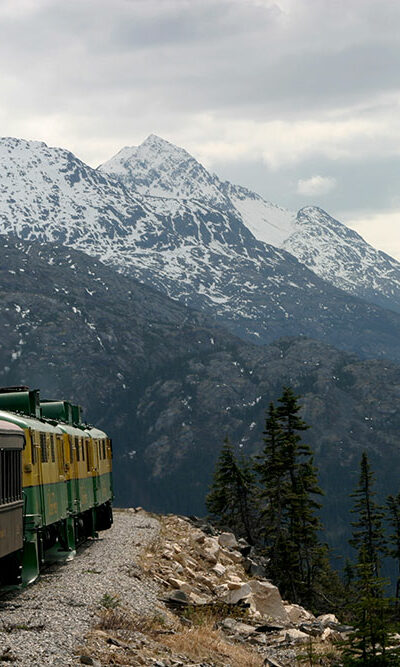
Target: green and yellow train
(55,482)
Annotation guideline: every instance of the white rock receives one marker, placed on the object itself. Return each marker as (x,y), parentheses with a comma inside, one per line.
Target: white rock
(232,597)
(325,619)
(296,636)
(298,614)
(266,599)
(176,583)
(328,633)
(233,584)
(227,540)
(219,570)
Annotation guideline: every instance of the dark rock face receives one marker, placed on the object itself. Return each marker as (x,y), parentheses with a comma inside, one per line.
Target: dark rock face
(168,384)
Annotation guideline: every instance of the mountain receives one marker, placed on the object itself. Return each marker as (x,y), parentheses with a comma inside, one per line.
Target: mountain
(168,384)
(327,247)
(202,255)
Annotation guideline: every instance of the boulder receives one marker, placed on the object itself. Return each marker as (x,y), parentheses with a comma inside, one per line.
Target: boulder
(219,569)
(211,550)
(234,583)
(176,583)
(233,596)
(227,540)
(298,614)
(266,599)
(233,556)
(326,619)
(295,636)
(253,569)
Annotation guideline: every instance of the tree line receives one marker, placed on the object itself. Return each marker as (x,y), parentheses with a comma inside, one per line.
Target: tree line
(273,501)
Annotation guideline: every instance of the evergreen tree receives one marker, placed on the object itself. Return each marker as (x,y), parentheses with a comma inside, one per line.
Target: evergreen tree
(370,608)
(393,505)
(289,488)
(368,537)
(231,497)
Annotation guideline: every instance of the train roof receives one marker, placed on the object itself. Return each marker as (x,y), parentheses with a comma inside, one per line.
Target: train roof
(28,422)
(95,432)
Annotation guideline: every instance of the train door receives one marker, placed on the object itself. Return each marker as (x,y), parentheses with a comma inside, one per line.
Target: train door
(61,464)
(94,467)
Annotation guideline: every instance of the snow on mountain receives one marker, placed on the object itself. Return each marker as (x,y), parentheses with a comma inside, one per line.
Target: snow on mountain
(327,247)
(198,252)
(159,168)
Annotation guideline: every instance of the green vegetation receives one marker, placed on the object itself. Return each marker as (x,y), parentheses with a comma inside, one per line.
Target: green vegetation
(273,500)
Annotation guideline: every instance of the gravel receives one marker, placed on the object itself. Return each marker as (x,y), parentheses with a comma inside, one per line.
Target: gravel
(45,623)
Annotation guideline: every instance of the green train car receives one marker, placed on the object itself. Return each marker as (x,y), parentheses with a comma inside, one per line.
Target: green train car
(55,482)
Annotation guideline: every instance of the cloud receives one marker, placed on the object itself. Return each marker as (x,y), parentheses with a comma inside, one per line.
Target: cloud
(316,185)
(380,228)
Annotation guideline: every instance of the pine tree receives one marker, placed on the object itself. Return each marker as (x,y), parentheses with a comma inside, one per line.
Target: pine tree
(288,480)
(370,608)
(368,537)
(393,505)
(231,497)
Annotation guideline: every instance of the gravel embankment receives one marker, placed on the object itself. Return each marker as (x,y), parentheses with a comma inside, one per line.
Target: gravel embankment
(46,623)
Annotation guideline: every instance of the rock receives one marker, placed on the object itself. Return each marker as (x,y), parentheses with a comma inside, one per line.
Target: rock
(244,629)
(266,599)
(232,597)
(87,660)
(297,614)
(176,583)
(221,590)
(296,636)
(253,568)
(211,550)
(178,598)
(234,584)
(271,662)
(314,628)
(229,624)
(219,569)
(269,627)
(328,633)
(326,619)
(234,556)
(198,599)
(227,540)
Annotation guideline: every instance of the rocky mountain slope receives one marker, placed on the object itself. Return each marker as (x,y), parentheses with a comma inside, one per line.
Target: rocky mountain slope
(158,591)
(327,247)
(201,254)
(168,384)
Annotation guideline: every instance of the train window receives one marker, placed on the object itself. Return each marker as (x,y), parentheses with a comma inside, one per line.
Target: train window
(82,448)
(71,449)
(88,461)
(104,449)
(10,476)
(33,449)
(78,458)
(60,455)
(43,447)
(52,450)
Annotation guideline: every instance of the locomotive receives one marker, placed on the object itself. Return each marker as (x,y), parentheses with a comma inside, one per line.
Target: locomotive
(55,482)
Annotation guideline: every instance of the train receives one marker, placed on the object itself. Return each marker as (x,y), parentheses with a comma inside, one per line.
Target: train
(55,482)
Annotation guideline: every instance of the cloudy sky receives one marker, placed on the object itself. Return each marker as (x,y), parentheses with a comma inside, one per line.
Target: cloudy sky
(297,99)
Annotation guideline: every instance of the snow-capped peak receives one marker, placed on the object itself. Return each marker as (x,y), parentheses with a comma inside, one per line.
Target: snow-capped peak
(161,169)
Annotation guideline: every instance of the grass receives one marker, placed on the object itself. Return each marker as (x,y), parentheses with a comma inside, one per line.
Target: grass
(116,619)
(206,644)
(109,601)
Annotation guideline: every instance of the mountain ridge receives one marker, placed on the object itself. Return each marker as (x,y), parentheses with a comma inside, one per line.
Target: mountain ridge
(201,255)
